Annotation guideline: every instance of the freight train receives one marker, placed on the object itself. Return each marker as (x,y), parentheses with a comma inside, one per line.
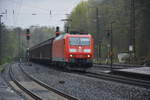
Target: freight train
(69,50)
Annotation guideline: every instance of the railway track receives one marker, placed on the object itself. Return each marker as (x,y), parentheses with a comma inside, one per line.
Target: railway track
(107,66)
(116,78)
(47,92)
(118,66)
(111,77)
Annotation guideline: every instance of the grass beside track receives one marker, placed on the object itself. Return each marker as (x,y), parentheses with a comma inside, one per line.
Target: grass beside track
(2,67)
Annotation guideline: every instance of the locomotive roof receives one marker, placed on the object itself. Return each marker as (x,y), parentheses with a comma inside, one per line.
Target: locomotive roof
(61,36)
(65,35)
(78,35)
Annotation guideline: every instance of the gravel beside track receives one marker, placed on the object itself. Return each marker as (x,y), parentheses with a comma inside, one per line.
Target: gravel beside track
(6,91)
(86,88)
(33,88)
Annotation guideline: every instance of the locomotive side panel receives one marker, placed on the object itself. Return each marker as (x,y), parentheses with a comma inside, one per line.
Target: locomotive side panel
(58,50)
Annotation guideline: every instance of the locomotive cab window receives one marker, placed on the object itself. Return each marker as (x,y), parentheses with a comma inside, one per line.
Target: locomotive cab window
(79,41)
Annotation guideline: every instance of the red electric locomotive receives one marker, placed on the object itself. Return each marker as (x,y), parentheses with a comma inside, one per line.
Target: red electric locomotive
(65,50)
(73,50)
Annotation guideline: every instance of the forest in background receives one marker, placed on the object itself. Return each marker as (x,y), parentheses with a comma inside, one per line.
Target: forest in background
(14,43)
(115,13)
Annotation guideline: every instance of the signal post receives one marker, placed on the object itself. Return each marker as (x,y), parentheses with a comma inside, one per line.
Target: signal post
(0,40)
(28,44)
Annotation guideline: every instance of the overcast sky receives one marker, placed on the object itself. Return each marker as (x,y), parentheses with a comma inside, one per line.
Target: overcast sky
(25,13)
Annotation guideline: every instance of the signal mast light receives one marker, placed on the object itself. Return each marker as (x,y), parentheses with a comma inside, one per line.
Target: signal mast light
(28,34)
(57,31)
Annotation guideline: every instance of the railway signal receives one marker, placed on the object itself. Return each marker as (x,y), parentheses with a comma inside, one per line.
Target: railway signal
(110,36)
(28,38)
(28,34)
(57,31)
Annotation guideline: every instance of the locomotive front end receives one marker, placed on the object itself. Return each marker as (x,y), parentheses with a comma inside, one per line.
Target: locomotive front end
(80,50)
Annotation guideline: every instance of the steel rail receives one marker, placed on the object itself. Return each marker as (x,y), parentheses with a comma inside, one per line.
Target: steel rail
(123,65)
(27,91)
(48,87)
(127,80)
(116,78)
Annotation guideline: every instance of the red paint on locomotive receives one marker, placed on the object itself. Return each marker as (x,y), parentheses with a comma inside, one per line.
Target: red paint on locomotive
(68,48)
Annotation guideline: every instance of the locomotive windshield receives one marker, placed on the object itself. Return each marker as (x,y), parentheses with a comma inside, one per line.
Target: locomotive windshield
(79,41)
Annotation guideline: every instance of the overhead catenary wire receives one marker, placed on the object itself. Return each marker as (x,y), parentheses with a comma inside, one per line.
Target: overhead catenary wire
(36,7)
(16,12)
(36,13)
(27,5)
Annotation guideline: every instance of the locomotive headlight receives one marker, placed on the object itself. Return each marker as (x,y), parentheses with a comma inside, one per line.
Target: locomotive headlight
(88,55)
(87,50)
(71,55)
(72,50)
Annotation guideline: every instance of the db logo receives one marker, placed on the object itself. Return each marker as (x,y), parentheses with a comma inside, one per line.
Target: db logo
(80,49)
